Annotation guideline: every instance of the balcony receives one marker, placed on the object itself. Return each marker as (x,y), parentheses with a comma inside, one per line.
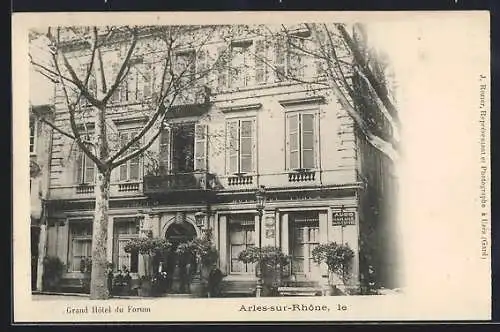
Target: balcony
(178,182)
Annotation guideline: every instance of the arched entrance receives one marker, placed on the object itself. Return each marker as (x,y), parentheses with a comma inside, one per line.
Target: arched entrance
(179,267)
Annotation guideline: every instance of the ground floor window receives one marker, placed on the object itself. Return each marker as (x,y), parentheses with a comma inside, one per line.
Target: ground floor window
(303,238)
(241,236)
(80,246)
(124,230)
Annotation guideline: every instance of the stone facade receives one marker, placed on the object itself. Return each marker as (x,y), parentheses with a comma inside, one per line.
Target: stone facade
(292,138)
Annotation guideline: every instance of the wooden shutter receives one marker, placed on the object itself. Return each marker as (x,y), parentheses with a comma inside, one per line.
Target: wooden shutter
(116,94)
(89,170)
(292,144)
(280,59)
(92,84)
(132,83)
(307,140)
(79,167)
(232,146)
(260,62)
(222,69)
(165,139)
(246,146)
(295,58)
(123,176)
(134,163)
(202,61)
(200,147)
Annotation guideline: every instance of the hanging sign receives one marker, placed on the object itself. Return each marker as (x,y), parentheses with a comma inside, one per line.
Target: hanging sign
(342,218)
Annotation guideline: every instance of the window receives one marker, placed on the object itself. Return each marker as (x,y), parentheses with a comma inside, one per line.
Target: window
(185,67)
(240,146)
(304,237)
(138,83)
(237,72)
(32,135)
(130,170)
(289,59)
(91,83)
(80,245)
(124,230)
(301,141)
(183,148)
(241,237)
(85,169)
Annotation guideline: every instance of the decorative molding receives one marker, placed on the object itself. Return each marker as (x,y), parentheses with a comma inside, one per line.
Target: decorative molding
(240,108)
(135,119)
(303,100)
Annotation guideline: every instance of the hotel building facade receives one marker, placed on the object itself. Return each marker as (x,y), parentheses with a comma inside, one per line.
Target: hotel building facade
(250,128)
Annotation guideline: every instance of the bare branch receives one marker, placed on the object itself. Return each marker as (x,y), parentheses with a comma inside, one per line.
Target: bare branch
(121,71)
(360,59)
(380,105)
(377,142)
(71,111)
(137,152)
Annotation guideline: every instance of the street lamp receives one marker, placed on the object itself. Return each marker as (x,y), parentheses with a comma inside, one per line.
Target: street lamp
(260,196)
(200,220)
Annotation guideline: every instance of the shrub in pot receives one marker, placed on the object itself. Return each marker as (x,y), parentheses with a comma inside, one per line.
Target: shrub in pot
(149,248)
(338,258)
(121,282)
(53,269)
(271,262)
(202,257)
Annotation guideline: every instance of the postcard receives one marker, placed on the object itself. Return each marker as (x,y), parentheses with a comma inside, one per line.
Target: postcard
(251,167)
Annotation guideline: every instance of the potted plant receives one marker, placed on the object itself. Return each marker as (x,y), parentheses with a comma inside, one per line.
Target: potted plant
(338,258)
(149,248)
(121,282)
(53,269)
(271,262)
(203,256)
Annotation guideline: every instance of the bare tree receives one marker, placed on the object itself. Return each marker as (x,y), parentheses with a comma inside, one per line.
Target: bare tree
(353,72)
(168,80)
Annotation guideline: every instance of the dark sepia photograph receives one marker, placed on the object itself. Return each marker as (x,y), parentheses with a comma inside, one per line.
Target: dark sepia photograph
(225,163)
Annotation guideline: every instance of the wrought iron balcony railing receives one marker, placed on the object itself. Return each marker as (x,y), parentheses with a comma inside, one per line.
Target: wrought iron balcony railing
(162,184)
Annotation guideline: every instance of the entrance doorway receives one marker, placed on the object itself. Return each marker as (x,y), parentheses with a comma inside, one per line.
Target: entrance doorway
(179,267)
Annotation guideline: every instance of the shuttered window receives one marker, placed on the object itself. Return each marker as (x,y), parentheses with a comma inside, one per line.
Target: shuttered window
(85,169)
(130,170)
(241,146)
(301,141)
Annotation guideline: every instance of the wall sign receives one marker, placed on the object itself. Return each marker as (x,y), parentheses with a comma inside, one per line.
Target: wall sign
(342,218)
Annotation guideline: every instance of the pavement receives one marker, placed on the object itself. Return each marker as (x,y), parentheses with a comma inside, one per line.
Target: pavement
(69,296)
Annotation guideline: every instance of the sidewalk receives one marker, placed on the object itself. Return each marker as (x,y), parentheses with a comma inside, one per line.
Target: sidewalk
(50,296)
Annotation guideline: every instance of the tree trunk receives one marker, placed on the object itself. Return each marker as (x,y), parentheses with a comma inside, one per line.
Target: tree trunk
(42,251)
(98,281)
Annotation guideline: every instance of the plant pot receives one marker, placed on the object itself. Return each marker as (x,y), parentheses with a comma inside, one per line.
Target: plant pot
(146,288)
